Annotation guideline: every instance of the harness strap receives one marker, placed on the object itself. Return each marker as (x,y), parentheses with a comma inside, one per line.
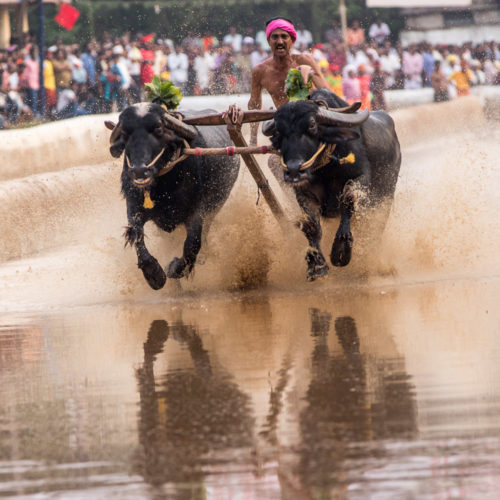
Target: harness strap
(325,158)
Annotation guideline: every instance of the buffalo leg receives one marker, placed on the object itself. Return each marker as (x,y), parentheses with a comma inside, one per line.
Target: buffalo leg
(150,267)
(180,267)
(342,244)
(311,227)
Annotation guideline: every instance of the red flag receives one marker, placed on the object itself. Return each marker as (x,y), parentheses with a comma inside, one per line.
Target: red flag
(67,16)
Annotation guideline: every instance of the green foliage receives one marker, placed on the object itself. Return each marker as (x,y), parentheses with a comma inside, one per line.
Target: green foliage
(163,92)
(296,88)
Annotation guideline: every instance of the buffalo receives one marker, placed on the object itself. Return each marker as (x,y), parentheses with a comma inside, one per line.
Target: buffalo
(163,185)
(336,158)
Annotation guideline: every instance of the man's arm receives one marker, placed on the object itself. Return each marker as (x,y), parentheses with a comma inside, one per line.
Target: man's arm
(255,101)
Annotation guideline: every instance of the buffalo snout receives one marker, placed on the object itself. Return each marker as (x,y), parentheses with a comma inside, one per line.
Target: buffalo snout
(293,174)
(141,174)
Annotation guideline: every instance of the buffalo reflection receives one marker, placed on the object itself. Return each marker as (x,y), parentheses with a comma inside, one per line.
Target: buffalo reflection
(192,418)
(351,398)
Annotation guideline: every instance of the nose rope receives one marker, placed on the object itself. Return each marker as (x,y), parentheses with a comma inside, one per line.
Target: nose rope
(309,163)
(176,159)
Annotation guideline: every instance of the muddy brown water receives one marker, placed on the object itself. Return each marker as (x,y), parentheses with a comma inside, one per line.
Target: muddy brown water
(380,382)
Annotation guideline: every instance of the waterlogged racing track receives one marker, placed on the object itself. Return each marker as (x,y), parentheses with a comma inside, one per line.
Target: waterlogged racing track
(246,381)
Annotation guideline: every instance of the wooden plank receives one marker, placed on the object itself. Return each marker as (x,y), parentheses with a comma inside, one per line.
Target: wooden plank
(257,115)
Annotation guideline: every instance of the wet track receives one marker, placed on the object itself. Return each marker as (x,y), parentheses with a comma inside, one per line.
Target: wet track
(379,382)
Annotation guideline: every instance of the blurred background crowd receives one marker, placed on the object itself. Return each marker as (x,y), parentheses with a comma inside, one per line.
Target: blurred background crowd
(107,74)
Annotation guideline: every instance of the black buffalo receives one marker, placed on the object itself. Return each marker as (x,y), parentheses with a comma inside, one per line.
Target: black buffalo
(160,188)
(362,168)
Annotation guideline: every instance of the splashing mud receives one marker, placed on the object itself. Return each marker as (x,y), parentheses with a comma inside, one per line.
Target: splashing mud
(64,228)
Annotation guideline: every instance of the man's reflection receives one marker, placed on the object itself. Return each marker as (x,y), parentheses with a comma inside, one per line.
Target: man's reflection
(350,399)
(193,412)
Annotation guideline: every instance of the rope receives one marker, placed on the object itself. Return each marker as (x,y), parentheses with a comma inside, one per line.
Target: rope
(324,160)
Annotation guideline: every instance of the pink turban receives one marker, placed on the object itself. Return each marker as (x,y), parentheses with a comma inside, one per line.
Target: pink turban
(281,24)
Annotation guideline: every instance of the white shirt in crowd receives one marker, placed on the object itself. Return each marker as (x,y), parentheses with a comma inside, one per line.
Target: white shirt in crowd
(178,66)
(234,40)
(65,97)
(304,37)
(379,33)
(203,65)
(256,57)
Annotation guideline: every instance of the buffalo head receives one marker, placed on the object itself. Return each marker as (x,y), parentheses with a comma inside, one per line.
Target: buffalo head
(302,129)
(150,137)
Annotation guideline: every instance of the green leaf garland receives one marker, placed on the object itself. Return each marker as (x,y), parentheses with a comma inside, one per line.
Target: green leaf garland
(163,92)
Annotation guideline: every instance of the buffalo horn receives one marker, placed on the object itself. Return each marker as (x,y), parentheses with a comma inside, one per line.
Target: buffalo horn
(330,117)
(117,130)
(186,131)
(268,128)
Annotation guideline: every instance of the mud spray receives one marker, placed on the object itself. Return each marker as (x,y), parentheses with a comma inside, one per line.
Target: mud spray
(62,230)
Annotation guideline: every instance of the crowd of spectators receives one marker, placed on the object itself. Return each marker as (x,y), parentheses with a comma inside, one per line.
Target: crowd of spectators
(107,74)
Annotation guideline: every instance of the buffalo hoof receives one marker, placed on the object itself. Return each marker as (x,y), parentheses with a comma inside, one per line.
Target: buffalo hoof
(342,250)
(154,274)
(320,271)
(178,268)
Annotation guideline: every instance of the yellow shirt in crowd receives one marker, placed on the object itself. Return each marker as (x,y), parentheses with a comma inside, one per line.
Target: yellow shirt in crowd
(48,75)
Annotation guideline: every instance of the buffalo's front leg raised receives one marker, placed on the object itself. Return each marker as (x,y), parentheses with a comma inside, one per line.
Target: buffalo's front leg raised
(352,194)
(311,227)
(180,267)
(150,267)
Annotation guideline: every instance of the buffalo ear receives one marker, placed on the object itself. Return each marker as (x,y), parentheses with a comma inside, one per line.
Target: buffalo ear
(116,149)
(334,135)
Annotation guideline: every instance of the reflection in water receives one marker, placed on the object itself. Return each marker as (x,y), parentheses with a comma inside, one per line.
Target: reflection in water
(189,417)
(341,407)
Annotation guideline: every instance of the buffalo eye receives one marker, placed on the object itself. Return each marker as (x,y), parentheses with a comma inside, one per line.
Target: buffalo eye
(158,131)
(313,126)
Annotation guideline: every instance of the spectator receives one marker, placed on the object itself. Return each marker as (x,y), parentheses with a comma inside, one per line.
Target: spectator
(30,82)
(364,85)
(249,38)
(377,87)
(244,67)
(178,66)
(135,62)
(336,54)
(413,64)
(439,83)
(462,79)
(355,35)
(334,33)
(428,61)
(49,80)
(62,70)
(204,65)
(67,103)
(258,55)
(233,39)
(379,31)
(148,57)
(89,63)
(304,36)
(351,87)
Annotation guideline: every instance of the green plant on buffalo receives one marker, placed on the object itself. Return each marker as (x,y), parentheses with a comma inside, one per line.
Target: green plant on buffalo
(296,88)
(163,92)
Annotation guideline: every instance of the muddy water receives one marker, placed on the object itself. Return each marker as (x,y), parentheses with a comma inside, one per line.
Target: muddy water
(381,381)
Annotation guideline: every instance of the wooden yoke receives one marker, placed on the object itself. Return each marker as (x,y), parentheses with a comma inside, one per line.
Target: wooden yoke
(233,118)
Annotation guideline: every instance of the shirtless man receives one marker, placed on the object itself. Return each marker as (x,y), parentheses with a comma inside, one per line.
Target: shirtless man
(271,74)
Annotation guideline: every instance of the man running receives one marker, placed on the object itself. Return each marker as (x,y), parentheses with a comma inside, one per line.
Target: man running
(271,74)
